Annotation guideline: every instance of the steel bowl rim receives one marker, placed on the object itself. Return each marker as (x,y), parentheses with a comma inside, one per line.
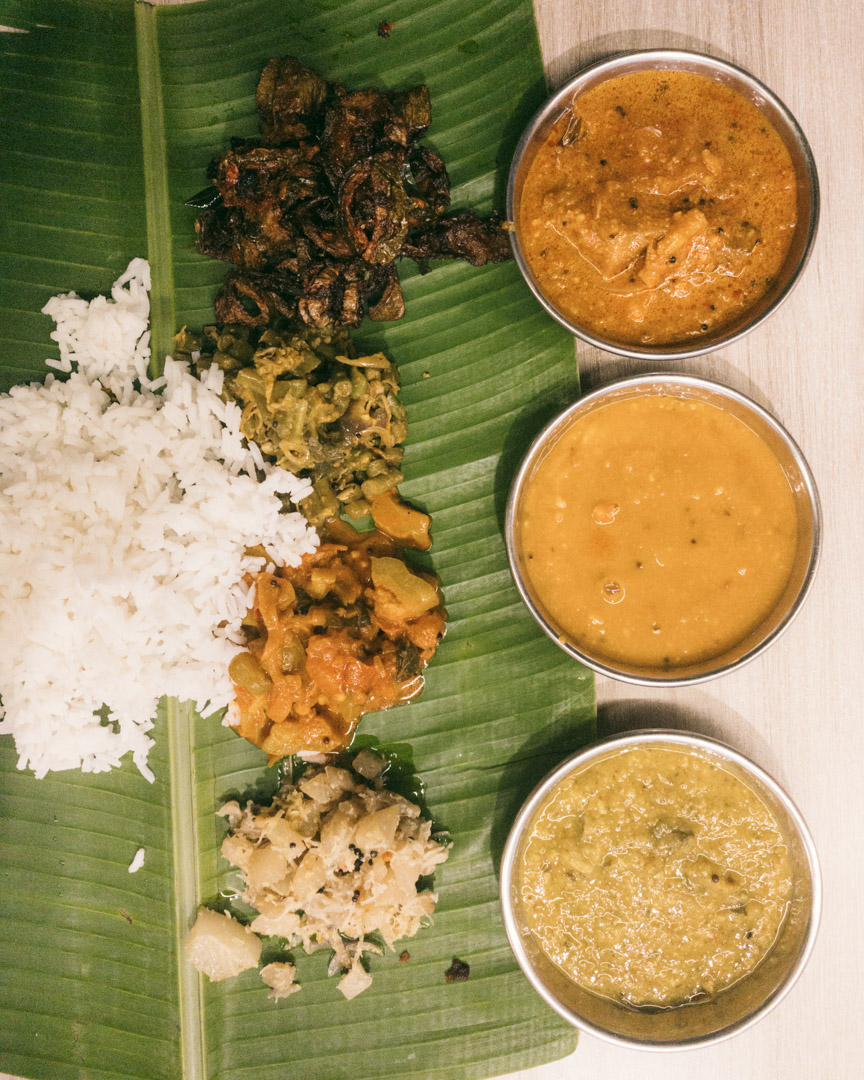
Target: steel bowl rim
(613,64)
(690,740)
(561,420)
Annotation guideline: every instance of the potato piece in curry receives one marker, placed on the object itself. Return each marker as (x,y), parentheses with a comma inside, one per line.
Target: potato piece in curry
(659,209)
(345,633)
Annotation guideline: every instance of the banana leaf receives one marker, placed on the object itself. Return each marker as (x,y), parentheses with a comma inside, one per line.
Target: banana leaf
(112,111)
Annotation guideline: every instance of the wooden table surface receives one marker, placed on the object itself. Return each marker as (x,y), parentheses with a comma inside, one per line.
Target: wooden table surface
(797,709)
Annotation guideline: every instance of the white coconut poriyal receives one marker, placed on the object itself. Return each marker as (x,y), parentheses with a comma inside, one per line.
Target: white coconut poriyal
(279,976)
(220,947)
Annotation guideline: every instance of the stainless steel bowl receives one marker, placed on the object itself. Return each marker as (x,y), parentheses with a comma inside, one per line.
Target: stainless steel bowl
(800,480)
(733,1010)
(756,93)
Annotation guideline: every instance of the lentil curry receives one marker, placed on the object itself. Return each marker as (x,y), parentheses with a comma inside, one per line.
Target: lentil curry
(658,531)
(654,877)
(659,209)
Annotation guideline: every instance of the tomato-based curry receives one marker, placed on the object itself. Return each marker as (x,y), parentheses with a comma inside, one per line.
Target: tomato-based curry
(346,632)
(659,209)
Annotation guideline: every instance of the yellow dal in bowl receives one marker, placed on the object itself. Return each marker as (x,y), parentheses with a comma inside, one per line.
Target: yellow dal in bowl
(654,877)
(657,532)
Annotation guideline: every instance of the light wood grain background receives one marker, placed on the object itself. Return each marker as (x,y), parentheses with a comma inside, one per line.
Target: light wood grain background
(796,710)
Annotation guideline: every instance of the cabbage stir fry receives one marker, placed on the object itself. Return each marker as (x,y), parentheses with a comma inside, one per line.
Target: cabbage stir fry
(314,407)
(347,632)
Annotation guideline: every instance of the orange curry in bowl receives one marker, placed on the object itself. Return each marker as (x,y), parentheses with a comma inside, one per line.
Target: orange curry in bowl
(657,532)
(659,209)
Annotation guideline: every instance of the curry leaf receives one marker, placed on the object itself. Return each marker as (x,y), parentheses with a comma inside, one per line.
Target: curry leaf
(112,112)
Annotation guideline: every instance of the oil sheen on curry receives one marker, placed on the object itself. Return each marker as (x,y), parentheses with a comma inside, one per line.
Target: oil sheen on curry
(656,878)
(657,532)
(659,209)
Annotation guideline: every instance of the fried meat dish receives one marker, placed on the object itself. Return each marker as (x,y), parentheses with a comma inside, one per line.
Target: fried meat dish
(315,212)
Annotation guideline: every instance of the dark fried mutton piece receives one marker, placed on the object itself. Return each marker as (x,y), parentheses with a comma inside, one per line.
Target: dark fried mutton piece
(463,236)
(287,92)
(315,212)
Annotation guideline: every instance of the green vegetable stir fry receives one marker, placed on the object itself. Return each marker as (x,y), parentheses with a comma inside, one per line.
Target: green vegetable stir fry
(314,406)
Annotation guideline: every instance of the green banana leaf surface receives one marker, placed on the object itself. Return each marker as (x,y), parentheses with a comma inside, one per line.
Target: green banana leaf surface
(112,111)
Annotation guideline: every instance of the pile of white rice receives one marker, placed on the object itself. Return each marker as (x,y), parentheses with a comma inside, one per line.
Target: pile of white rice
(126,507)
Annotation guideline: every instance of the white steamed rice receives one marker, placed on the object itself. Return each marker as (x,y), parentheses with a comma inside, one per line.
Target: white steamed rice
(126,507)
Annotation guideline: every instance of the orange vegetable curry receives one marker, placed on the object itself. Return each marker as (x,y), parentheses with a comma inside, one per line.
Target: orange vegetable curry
(345,633)
(659,209)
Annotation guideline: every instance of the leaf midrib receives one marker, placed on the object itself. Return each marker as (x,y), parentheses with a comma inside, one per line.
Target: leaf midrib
(179,716)
(156,192)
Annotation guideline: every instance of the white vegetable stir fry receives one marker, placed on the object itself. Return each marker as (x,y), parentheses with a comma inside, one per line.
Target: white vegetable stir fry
(331,861)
